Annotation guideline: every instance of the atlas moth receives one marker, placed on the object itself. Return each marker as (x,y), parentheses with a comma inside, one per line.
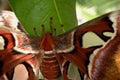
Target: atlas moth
(93,47)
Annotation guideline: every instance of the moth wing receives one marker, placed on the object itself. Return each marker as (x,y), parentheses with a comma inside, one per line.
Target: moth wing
(75,47)
(10,24)
(15,44)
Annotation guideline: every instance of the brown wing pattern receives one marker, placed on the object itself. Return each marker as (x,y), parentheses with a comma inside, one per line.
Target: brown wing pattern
(104,31)
(10,58)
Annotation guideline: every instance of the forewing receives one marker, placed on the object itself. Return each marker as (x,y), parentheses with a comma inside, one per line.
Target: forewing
(86,39)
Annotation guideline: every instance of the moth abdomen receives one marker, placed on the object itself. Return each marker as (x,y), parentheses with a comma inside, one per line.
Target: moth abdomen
(50,67)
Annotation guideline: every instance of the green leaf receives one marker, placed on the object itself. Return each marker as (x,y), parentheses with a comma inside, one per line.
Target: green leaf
(34,13)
